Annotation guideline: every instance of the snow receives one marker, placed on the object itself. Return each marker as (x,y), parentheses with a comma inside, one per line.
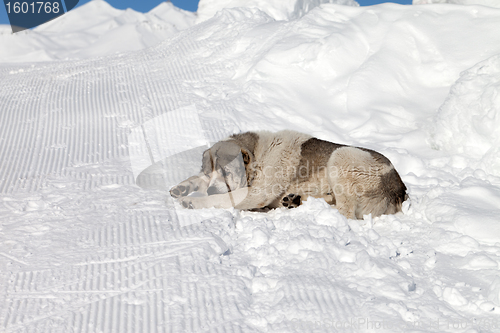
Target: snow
(95,29)
(279,10)
(473,106)
(490,3)
(103,110)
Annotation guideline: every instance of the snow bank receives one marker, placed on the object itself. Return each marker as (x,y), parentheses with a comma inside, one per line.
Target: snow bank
(468,121)
(277,9)
(490,3)
(94,29)
(369,81)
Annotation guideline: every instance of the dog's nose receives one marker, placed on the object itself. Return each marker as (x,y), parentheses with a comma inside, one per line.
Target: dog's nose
(212,190)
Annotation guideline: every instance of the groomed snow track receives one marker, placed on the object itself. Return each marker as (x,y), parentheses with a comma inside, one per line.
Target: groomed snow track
(64,130)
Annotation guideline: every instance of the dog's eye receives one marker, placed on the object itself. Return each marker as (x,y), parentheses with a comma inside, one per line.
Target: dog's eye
(206,170)
(207,163)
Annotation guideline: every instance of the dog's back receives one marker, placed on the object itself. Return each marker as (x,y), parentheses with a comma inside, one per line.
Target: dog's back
(357,181)
(365,182)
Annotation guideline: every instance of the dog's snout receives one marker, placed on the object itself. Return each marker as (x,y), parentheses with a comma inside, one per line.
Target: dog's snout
(212,190)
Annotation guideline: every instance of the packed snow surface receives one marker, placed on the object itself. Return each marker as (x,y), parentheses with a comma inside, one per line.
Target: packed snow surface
(91,140)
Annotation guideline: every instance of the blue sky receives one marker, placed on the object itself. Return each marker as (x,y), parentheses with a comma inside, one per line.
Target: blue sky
(147,5)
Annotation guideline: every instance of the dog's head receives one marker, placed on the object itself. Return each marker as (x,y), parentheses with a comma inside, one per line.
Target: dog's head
(225,164)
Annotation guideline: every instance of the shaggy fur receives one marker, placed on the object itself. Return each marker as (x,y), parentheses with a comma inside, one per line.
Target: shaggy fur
(263,170)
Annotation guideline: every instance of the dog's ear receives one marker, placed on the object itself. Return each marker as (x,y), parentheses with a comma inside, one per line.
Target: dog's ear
(247,156)
(207,163)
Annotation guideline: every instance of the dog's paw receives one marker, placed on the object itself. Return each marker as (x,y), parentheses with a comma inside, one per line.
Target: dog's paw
(195,202)
(179,191)
(291,201)
(187,203)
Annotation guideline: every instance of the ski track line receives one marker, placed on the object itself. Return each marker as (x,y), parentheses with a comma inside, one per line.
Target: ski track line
(122,293)
(70,113)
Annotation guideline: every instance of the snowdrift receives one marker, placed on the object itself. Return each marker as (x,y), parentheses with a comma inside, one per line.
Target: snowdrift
(491,3)
(469,120)
(91,242)
(279,10)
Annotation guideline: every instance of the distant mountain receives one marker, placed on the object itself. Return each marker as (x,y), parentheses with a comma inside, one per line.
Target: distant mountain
(94,29)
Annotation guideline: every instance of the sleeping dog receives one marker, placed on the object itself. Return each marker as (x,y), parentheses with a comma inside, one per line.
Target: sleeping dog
(264,170)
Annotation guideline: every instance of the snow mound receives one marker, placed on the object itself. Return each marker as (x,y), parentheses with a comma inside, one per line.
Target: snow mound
(94,29)
(277,9)
(490,3)
(471,208)
(469,119)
